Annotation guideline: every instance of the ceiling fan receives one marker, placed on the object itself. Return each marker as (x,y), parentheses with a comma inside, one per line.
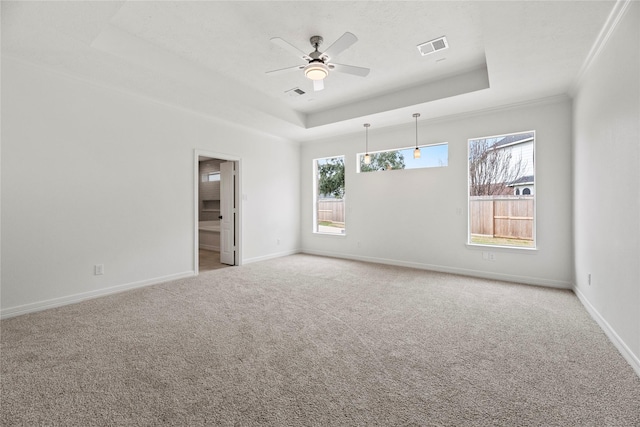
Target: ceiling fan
(318,65)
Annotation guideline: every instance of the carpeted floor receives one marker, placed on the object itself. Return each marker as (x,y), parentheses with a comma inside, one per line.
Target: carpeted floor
(306,340)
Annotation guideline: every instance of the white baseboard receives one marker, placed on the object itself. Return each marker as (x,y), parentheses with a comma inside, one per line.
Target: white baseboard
(210,247)
(71,299)
(622,347)
(270,256)
(453,270)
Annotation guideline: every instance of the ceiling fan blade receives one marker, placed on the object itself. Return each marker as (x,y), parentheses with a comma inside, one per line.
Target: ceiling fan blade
(350,69)
(346,40)
(318,85)
(286,70)
(291,48)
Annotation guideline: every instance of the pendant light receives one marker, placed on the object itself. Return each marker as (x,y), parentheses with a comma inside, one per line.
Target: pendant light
(416,152)
(367,157)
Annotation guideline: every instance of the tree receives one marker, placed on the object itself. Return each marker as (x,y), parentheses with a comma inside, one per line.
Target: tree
(331,177)
(492,169)
(383,161)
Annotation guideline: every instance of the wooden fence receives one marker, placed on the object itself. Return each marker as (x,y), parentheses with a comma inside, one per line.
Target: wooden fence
(331,210)
(502,216)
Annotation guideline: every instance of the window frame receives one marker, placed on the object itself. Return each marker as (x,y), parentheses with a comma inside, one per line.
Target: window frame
(315,196)
(360,156)
(534,196)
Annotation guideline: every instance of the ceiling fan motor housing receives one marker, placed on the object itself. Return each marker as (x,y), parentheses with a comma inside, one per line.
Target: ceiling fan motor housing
(316,41)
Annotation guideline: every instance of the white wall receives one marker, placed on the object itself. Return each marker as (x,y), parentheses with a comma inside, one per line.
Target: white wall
(91,176)
(606,157)
(418,217)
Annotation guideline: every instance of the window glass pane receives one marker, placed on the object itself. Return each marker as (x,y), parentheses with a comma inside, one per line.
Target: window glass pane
(502,190)
(329,196)
(431,156)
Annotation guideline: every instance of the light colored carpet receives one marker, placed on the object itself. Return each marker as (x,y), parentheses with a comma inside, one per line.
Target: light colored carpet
(305,340)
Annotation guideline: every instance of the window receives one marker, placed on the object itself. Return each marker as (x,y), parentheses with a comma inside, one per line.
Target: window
(431,156)
(329,195)
(502,190)
(211,177)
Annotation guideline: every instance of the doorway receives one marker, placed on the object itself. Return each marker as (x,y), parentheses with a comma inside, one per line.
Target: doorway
(217,212)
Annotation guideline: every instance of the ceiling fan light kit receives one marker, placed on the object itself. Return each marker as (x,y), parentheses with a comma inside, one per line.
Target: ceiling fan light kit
(316,71)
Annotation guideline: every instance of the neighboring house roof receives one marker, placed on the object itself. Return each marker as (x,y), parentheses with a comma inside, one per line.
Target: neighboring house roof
(514,139)
(523,180)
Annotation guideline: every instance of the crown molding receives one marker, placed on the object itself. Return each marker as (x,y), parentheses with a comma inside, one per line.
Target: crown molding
(607,30)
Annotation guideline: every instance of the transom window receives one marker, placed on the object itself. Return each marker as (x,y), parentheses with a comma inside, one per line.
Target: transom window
(431,156)
(211,177)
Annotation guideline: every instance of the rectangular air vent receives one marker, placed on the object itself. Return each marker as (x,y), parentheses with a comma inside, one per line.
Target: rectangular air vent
(433,46)
(296,91)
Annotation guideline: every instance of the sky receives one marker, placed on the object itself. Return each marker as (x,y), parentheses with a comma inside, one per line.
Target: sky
(431,156)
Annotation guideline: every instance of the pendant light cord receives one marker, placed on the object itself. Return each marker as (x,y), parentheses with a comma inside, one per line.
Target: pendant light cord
(366,142)
(416,115)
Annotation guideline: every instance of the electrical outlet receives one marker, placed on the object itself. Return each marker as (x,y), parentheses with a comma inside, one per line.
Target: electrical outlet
(277,241)
(489,256)
(98,269)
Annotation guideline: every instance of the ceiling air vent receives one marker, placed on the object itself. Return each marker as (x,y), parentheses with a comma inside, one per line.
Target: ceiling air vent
(295,92)
(433,45)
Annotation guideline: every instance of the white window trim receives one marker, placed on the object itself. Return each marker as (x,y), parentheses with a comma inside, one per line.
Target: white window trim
(314,201)
(535,247)
(359,155)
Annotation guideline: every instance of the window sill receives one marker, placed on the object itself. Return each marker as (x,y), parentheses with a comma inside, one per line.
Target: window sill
(515,249)
(320,233)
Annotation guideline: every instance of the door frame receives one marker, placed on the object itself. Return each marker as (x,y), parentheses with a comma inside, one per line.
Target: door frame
(195,205)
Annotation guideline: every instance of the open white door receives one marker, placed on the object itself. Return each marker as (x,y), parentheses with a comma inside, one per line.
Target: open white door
(227,213)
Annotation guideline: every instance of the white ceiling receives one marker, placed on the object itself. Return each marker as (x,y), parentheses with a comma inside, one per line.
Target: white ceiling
(212,56)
